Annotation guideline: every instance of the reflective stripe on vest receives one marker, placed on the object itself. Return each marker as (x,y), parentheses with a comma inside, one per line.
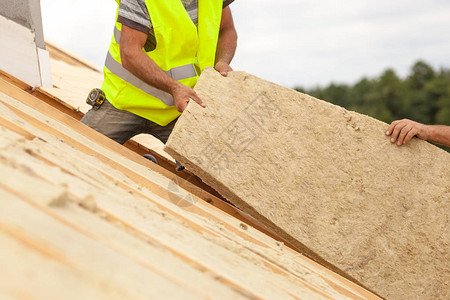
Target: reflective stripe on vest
(117,35)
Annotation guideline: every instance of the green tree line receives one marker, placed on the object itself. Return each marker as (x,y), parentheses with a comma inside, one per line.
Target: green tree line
(423,95)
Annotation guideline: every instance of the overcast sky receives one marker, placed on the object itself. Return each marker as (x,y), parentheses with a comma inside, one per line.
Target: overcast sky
(291,42)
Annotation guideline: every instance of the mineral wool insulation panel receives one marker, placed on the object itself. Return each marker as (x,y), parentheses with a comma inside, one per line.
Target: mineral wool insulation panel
(326,179)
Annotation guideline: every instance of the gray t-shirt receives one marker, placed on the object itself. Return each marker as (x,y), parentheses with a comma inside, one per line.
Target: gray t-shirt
(134,14)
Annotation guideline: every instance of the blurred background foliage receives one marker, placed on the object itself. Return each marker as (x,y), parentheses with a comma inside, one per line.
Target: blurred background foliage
(423,96)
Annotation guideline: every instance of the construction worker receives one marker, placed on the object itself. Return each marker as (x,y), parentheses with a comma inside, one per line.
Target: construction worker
(402,131)
(157,52)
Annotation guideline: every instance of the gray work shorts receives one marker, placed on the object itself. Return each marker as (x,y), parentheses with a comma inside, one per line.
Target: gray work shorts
(121,125)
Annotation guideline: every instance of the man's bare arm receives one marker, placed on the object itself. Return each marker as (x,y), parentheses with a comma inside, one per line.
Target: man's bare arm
(227,43)
(135,60)
(402,131)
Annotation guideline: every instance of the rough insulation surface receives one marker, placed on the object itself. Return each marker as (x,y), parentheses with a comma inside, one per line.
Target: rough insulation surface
(325,178)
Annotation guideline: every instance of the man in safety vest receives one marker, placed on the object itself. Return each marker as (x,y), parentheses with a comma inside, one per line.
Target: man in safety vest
(157,52)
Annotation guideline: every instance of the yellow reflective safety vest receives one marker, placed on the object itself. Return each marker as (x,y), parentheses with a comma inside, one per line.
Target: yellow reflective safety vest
(182,51)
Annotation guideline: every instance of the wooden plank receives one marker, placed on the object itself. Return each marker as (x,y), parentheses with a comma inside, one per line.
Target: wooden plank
(34,275)
(151,256)
(16,128)
(99,264)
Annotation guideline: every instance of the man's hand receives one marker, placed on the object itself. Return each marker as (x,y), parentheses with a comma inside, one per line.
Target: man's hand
(223,68)
(182,95)
(402,131)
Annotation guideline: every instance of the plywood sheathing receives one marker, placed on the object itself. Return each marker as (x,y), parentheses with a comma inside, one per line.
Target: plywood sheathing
(83,214)
(326,179)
